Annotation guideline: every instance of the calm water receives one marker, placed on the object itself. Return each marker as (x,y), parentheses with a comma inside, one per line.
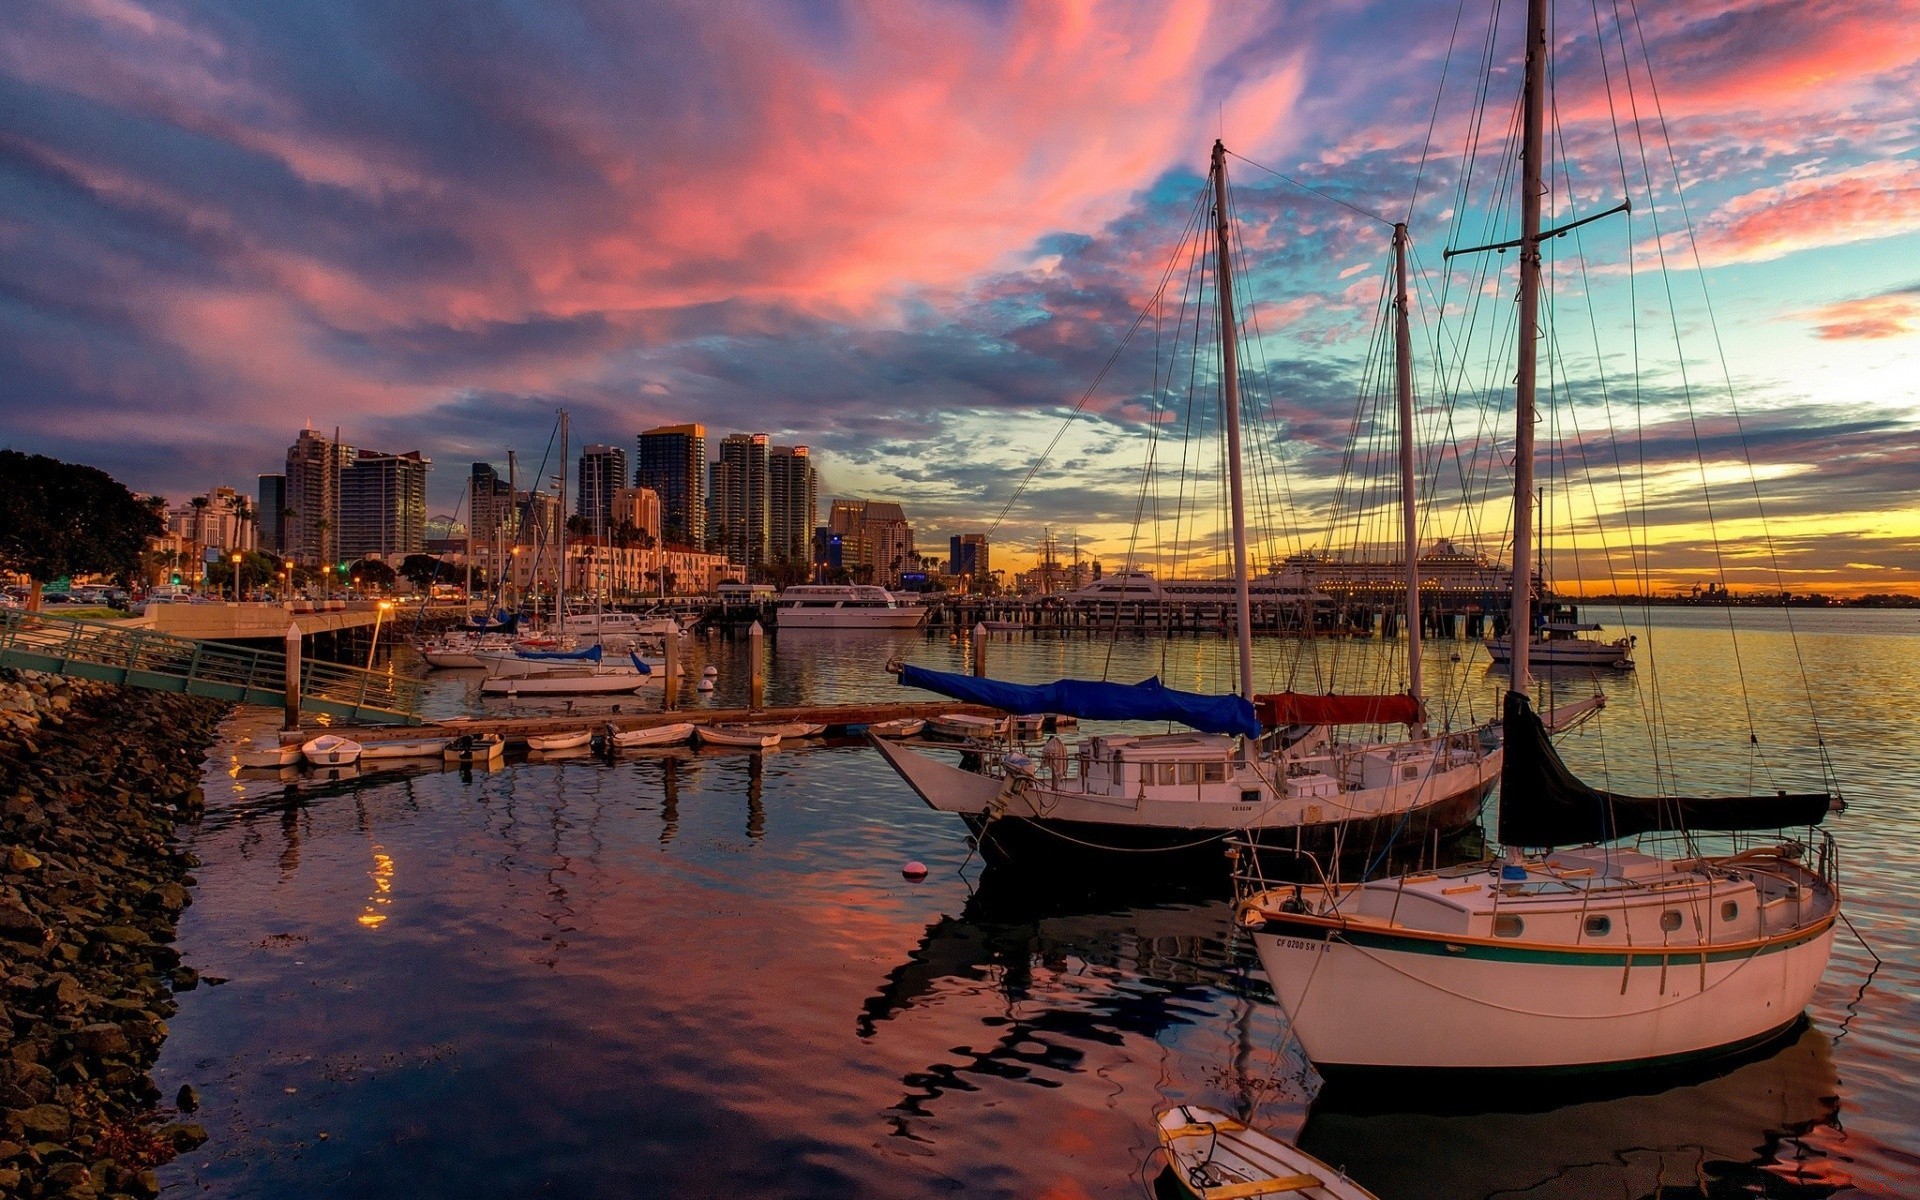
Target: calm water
(702,974)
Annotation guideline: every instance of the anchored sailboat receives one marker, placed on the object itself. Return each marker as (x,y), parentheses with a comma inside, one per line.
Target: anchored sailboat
(1583,955)
(1267,765)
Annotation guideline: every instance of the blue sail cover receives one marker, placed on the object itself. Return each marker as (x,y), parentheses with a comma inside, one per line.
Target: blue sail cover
(1093,700)
(505,622)
(639,664)
(589,654)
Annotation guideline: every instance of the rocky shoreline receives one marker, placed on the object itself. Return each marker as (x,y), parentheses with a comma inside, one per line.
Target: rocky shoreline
(93,781)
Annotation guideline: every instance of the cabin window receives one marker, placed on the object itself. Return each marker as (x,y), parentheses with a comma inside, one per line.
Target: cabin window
(1508,926)
(1167,773)
(1189,773)
(1729,910)
(1599,926)
(1213,772)
(1670,920)
(1249,795)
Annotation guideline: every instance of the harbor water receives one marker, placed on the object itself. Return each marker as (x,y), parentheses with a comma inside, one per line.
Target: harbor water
(695,973)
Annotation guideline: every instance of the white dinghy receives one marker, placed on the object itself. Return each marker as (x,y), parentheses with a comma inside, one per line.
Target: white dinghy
(660,735)
(1214,1157)
(267,753)
(560,741)
(331,750)
(475,748)
(754,737)
(405,748)
(905,727)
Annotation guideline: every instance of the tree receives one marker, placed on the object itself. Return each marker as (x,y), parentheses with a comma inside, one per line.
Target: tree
(371,572)
(423,571)
(256,570)
(59,519)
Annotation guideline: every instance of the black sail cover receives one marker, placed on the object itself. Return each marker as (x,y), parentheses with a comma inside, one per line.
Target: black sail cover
(1542,803)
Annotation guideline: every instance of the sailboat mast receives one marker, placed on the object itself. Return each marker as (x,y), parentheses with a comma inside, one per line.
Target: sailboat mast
(560,602)
(1409,518)
(1230,383)
(1520,632)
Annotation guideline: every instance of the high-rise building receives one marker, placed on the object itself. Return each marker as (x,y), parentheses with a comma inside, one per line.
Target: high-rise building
(311,536)
(383,505)
(269,508)
(489,507)
(792,487)
(639,507)
(742,497)
(603,471)
(968,556)
(874,538)
(672,460)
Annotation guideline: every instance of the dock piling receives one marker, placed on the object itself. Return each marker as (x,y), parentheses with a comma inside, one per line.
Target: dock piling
(671,690)
(756,673)
(980,650)
(293,676)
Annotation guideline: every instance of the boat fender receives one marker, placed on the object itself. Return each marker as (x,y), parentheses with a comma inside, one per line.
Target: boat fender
(915,871)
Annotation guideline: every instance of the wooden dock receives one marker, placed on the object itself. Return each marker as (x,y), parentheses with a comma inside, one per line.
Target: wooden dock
(836,717)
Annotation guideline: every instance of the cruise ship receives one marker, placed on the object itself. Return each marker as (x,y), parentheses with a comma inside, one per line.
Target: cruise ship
(851,606)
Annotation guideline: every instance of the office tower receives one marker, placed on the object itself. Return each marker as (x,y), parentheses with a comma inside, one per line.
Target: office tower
(314,467)
(269,505)
(383,505)
(792,484)
(602,472)
(743,499)
(489,508)
(672,460)
(638,507)
(968,556)
(875,540)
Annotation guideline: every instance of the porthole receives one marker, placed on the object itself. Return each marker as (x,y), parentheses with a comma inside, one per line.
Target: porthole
(1729,910)
(1599,926)
(1508,926)
(1670,920)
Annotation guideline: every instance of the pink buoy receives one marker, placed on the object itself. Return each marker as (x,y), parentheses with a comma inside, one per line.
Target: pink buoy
(914,870)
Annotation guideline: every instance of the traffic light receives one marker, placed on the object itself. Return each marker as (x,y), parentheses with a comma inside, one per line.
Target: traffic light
(176,579)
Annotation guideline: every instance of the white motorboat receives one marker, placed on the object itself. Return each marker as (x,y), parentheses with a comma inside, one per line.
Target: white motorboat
(965,727)
(659,735)
(1560,645)
(266,753)
(1214,1157)
(850,606)
(331,750)
(457,650)
(755,737)
(560,741)
(471,748)
(904,727)
(588,626)
(1590,954)
(429,747)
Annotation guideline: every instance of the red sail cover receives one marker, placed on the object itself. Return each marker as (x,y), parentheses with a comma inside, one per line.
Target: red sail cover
(1299,708)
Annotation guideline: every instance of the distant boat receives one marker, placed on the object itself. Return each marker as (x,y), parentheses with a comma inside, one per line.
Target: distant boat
(964,727)
(331,750)
(429,747)
(261,752)
(854,606)
(471,748)
(659,735)
(1214,1157)
(560,741)
(797,729)
(757,737)
(905,727)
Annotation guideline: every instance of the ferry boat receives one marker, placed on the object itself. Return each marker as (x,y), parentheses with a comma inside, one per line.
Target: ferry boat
(852,606)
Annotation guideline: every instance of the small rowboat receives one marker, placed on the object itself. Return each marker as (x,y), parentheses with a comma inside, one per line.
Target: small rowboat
(755,737)
(475,748)
(795,729)
(1214,1157)
(962,727)
(560,741)
(659,735)
(905,727)
(405,748)
(261,753)
(331,750)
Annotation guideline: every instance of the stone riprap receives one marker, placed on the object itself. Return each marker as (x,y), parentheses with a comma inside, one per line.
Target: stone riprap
(93,780)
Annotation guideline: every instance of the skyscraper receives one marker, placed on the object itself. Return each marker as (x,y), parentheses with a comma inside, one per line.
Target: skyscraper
(743,499)
(489,507)
(792,495)
(672,460)
(314,467)
(383,505)
(968,556)
(603,472)
(270,502)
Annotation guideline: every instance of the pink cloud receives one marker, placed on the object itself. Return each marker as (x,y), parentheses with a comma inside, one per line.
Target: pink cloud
(1876,200)
(1894,314)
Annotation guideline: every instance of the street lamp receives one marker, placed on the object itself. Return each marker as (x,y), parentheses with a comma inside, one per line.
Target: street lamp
(378,612)
(236,579)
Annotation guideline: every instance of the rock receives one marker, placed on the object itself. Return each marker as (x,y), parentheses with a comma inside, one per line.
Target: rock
(188,1099)
(19,925)
(124,935)
(44,1122)
(184,979)
(182,1136)
(22,860)
(9,1180)
(146,1183)
(71,1178)
(103,1040)
(169,897)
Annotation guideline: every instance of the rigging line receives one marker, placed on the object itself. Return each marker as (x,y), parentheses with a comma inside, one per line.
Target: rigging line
(1433,118)
(1307,187)
(1713,324)
(1087,396)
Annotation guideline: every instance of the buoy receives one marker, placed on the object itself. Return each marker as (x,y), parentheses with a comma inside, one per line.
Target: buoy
(705,685)
(915,870)
(711,671)
(1454,657)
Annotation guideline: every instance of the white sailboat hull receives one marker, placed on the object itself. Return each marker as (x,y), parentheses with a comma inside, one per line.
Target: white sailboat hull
(1571,652)
(584,684)
(1362,1002)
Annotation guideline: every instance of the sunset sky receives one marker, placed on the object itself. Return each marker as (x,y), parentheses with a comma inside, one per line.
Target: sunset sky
(908,234)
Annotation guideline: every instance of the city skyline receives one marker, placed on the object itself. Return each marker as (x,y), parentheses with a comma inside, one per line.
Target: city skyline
(212,244)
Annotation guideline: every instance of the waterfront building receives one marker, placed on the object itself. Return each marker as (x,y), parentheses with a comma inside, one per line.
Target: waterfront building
(967,558)
(311,533)
(875,540)
(622,573)
(639,507)
(741,496)
(672,461)
(792,499)
(270,512)
(602,472)
(383,506)
(220,520)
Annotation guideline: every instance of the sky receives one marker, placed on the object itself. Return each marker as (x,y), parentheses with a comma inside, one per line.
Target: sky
(911,234)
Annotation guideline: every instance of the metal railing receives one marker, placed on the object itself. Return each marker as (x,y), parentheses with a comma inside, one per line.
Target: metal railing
(137,657)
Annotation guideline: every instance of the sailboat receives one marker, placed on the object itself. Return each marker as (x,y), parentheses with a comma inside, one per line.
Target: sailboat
(1267,765)
(1580,953)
